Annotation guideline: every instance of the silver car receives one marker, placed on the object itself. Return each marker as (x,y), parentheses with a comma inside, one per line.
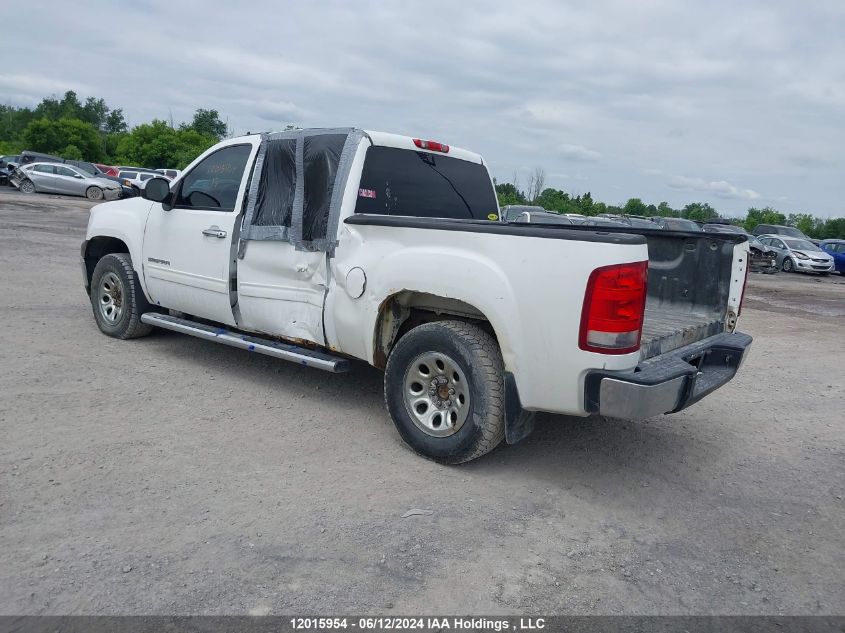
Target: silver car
(797,254)
(63,179)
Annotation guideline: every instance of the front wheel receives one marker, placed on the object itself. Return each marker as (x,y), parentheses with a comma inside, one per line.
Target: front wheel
(444,389)
(788,266)
(26,186)
(117,298)
(94,193)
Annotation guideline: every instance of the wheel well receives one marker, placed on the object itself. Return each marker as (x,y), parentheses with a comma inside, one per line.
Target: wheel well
(98,247)
(405,310)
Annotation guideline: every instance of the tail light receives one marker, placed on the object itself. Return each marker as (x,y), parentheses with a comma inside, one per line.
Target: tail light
(432,146)
(614,308)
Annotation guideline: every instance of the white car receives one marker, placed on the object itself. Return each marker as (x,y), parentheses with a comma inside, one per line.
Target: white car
(136,178)
(172,174)
(321,246)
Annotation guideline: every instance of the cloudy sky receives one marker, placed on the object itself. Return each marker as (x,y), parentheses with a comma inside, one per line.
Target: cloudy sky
(734,103)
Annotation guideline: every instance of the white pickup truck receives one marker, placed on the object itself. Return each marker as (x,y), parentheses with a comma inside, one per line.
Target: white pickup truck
(321,246)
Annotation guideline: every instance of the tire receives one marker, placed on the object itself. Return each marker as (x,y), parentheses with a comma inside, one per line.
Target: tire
(788,266)
(117,299)
(26,186)
(471,407)
(94,193)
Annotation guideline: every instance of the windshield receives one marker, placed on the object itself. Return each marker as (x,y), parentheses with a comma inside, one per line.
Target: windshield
(802,245)
(85,169)
(549,218)
(640,223)
(405,182)
(679,224)
(723,228)
(788,230)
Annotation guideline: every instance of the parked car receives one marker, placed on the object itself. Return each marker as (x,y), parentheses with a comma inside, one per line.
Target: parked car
(8,163)
(108,170)
(173,174)
(763,259)
(511,212)
(8,159)
(599,221)
(836,249)
(542,217)
(469,353)
(779,229)
(28,157)
(637,222)
(137,179)
(798,255)
(676,224)
(63,179)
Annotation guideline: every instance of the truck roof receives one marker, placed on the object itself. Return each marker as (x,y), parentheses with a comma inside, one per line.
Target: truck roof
(387,139)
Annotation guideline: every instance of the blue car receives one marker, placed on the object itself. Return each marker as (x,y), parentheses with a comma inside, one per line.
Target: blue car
(836,249)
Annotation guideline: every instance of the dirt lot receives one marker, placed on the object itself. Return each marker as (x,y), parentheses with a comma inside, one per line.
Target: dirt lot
(170,475)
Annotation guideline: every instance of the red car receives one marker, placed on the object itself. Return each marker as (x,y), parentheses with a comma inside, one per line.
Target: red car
(107,169)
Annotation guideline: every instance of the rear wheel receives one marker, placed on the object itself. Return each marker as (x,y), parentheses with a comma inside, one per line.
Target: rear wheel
(94,193)
(26,186)
(788,266)
(117,298)
(444,389)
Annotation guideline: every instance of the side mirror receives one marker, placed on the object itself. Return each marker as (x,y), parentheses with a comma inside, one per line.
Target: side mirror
(157,190)
(77,176)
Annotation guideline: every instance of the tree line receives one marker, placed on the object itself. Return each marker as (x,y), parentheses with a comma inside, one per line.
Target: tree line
(93,131)
(559,201)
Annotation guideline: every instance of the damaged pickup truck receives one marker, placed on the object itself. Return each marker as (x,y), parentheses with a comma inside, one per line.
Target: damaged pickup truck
(321,246)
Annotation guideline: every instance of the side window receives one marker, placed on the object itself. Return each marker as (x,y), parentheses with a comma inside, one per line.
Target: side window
(64,171)
(277,184)
(130,175)
(44,169)
(214,183)
(146,177)
(321,155)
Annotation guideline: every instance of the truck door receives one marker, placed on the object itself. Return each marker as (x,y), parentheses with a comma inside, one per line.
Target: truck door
(189,249)
(282,283)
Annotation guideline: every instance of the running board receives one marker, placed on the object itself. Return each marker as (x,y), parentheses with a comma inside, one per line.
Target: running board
(285,351)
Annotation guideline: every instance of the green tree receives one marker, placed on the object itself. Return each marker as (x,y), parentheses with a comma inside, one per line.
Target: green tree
(700,211)
(766,215)
(115,123)
(207,123)
(509,194)
(64,136)
(156,144)
(663,209)
(635,206)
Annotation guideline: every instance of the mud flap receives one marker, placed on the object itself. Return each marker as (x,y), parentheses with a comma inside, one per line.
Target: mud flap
(519,423)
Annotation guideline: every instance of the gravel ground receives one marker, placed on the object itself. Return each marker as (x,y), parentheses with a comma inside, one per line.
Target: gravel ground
(169,475)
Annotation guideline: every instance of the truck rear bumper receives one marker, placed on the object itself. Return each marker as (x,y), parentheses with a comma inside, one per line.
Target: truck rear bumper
(669,382)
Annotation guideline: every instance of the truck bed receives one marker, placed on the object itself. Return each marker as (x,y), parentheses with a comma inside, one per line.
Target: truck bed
(666,329)
(689,281)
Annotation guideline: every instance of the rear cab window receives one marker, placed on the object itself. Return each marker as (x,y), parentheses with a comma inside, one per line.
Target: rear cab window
(405,182)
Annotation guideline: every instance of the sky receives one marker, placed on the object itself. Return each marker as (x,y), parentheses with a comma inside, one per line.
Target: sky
(737,104)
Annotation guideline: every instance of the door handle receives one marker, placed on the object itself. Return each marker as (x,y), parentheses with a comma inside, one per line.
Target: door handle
(214,231)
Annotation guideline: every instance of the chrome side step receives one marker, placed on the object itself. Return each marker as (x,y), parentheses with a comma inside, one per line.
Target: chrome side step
(285,351)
